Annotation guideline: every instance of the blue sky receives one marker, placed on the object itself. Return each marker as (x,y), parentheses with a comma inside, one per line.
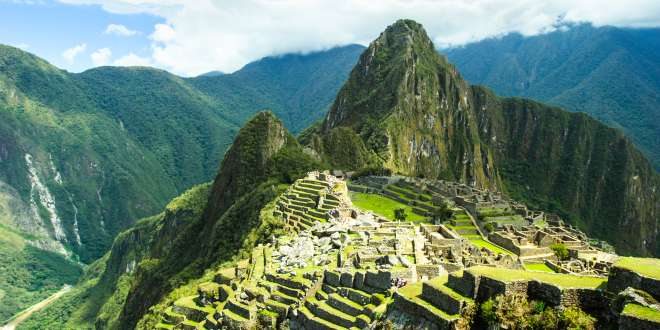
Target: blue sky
(50,28)
(191,37)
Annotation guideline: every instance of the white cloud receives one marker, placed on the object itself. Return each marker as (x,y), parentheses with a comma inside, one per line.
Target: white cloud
(120,30)
(132,60)
(101,56)
(204,35)
(71,53)
(163,33)
(22,46)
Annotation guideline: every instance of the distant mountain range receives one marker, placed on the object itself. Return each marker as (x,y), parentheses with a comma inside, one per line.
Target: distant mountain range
(610,73)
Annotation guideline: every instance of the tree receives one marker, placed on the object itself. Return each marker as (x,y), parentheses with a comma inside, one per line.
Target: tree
(400,214)
(489,227)
(560,251)
(441,213)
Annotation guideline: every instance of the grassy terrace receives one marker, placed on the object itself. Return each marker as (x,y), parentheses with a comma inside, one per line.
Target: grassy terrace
(413,292)
(641,312)
(539,267)
(439,282)
(648,267)
(383,206)
(561,280)
(480,242)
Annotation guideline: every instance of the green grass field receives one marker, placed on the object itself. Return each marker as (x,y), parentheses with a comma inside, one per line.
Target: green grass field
(561,280)
(490,246)
(641,312)
(539,267)
(649,267)
(383,206)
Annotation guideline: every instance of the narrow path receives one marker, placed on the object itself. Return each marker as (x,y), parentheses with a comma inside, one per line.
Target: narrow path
(22,316)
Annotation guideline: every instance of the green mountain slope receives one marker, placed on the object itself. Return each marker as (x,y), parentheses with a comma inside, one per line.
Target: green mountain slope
(82,156)
(413,113)
(297,88)
(206,226)
(610,73)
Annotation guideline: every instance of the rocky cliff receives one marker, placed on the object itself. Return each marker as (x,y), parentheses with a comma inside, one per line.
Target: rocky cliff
(414,113)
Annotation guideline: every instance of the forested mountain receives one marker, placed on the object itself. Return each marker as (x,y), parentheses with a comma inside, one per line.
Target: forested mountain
(408,109)
(611,73)
(82,156)
(297,88)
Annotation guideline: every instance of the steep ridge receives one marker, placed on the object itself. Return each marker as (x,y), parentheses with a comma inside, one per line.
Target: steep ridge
(413,113)
(263,155)
(399,96)
(611,73)
(208,225)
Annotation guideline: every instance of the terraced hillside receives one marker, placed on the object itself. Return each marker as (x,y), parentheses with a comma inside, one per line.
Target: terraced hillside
(307,201)
(336,269)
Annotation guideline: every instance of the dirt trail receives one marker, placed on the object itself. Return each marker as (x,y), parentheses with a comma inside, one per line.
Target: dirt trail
(22,316)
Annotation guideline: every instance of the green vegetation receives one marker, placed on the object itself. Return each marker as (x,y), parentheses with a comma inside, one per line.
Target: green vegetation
(126,140)
(400,214)
(561,280)
(541,267)
(413,292)
(441,213)
(649,267)
(642,312)
(29,275)
(480,242)
(383,206)
(516,312)
(560,251)
(178,246)
(589,69)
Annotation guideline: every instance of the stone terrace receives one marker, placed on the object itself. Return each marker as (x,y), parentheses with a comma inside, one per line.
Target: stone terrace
(344,268)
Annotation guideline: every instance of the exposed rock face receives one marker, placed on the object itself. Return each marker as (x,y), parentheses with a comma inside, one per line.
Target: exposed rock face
(413,109)
(416,115)
(246,161)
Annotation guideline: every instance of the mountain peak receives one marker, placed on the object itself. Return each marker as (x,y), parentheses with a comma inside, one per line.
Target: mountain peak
(399,66)
(405,32)
(246,161)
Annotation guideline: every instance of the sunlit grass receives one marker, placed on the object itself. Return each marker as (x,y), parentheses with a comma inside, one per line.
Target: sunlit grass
(383,206)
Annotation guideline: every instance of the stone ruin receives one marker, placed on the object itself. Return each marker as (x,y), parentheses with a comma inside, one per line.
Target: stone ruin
(343,267)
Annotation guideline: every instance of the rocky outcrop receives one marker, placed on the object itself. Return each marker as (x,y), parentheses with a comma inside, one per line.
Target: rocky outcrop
(246,161)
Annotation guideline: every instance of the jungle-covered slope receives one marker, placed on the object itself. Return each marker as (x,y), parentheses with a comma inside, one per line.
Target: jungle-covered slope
(611,73)
(407,108)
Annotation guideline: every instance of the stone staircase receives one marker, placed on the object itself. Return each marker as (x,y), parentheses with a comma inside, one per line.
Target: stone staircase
(306,202)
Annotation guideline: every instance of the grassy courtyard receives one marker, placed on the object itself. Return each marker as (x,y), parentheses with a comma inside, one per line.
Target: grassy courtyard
(539,267)
(383,206)
(480,242)
(561,280)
